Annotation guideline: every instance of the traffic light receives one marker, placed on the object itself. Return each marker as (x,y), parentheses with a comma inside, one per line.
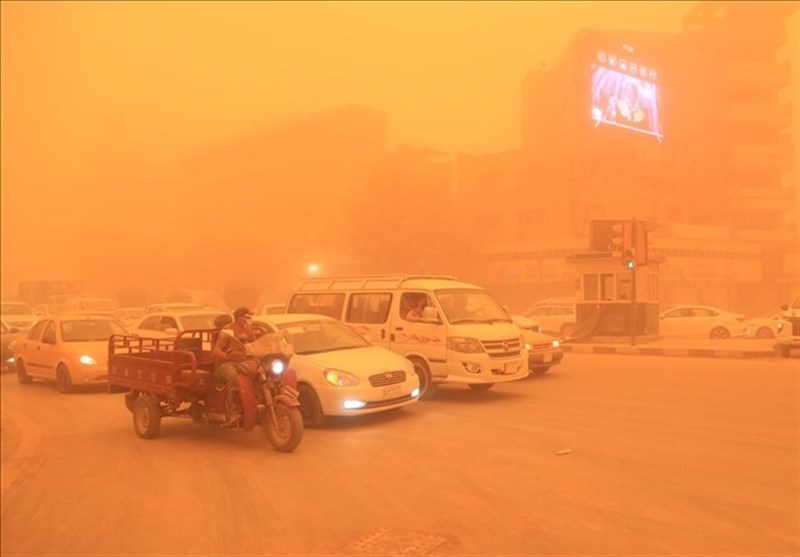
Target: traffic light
(621,238)
(640,241)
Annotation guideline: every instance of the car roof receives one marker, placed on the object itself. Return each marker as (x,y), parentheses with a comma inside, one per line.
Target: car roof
(80,317)
(184,312)
(283,318)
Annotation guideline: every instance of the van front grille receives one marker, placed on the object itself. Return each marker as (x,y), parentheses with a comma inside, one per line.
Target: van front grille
(505,348)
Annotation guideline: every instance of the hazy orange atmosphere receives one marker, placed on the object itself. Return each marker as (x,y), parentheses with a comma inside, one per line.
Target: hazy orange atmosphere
(400,278)
(103,104)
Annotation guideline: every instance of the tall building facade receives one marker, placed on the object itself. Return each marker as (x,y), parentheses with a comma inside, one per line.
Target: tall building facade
(710,164)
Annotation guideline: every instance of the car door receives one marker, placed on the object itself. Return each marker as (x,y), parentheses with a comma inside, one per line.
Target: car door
(701,322)
(674,323)
(30,350)
(367,313)
(49,352)
(428,339)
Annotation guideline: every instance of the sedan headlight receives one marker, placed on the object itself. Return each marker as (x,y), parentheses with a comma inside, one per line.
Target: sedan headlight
(464,344)
(528,347)
(556,343)
(87,360)
(339,378)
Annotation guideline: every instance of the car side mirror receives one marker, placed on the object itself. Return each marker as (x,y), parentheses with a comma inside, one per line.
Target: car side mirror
(430,315)
(49,340)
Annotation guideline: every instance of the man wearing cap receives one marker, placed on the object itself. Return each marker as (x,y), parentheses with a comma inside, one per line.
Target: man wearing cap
(228,351)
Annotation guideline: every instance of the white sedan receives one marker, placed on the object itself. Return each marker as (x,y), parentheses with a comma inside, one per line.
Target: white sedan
(700,322)
(767,327)
(168,324)
(70,349)
(339,373)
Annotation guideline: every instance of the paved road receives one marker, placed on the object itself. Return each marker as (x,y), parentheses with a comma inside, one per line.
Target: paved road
(663,456)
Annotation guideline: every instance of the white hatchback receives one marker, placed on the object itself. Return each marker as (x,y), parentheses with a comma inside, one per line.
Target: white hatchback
(339,373)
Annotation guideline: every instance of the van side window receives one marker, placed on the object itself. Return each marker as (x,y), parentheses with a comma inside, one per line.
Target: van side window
(369,308)
(412,304)
(329,304)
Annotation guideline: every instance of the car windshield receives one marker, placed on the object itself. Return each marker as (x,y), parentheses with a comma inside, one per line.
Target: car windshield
(89,330)
(199,321)
(311,337)
(16,309)
(471,306)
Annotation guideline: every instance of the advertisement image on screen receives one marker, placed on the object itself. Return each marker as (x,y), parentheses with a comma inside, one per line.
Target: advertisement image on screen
(625,100)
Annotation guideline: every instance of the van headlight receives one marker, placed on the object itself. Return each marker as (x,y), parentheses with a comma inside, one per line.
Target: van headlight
(464,344)
(339,378)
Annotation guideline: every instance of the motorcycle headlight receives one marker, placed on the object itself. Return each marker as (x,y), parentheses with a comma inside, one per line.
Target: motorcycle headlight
(277,366)
(339,378)
(464,344)
(87,360)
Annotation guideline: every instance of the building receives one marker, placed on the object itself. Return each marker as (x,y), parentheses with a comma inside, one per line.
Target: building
(710,159)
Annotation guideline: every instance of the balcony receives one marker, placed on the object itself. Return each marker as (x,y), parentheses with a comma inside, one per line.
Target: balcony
(759,157)
(762,115)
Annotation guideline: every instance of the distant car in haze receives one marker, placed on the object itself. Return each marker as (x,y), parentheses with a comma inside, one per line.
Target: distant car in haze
(700,322)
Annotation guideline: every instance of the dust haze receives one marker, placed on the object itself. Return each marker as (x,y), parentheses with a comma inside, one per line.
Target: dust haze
(174,146)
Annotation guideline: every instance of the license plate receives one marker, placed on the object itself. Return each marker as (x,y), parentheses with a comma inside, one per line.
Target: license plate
(547,358)
(391,391)
(511,367)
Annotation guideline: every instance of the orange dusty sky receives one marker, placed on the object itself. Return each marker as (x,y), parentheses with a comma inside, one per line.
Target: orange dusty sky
(166,77)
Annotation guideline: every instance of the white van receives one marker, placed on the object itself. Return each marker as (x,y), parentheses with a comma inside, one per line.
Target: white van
(464,335)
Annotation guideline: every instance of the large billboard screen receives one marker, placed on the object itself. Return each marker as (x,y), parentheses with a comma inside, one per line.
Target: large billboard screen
(626,94)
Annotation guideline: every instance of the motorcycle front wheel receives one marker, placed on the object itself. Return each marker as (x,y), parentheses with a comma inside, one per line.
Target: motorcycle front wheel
(289,431)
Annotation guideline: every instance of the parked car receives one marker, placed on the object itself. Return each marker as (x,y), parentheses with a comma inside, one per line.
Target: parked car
(72,350)
(7,335)
(18,315)
(555,316)
(543,350)
(700,322)
(168,324)
(340,373)
(766,327)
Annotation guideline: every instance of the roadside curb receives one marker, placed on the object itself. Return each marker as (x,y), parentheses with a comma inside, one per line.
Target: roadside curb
(662,351)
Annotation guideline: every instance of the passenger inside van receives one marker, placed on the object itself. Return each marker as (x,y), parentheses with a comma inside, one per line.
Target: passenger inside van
(413,304)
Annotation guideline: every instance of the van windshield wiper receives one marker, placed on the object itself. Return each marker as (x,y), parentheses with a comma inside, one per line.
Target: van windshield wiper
(467,320)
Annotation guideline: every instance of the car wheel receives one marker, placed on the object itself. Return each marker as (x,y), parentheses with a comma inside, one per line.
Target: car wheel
(719,333)
(427,388)
(310,408)
(567,330)
(480,386)
(22,374)
(63,380)
(764,332)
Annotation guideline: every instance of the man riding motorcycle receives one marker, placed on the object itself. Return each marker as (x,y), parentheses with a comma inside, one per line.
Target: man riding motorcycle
(228,352)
